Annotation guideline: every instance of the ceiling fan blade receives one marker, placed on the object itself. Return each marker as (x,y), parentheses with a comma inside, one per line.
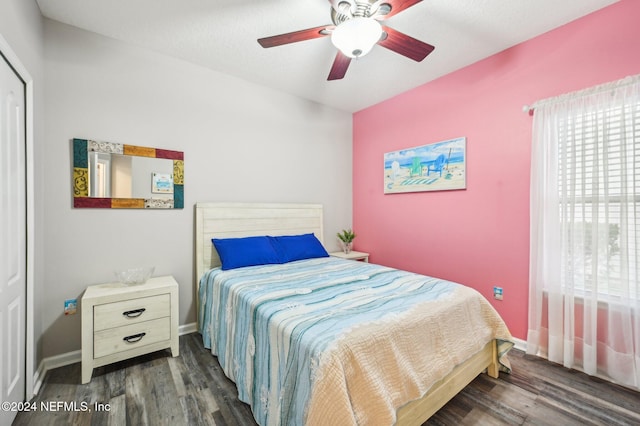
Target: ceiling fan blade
(296,36)
(405,45)
(397,6)
(339,67)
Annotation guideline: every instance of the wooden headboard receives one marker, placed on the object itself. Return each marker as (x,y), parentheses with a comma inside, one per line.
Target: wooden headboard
(232,220)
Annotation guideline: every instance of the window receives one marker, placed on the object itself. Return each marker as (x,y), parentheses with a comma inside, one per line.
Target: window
(584,295)
(599,193)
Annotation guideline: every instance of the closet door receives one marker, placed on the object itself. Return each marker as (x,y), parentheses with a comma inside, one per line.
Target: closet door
(13,234)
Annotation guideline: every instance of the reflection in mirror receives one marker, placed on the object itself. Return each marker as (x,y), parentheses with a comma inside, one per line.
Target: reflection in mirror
(125,176)
(110,175)
(100,175)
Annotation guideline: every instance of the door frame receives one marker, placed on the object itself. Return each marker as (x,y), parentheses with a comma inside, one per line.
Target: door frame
(25,76)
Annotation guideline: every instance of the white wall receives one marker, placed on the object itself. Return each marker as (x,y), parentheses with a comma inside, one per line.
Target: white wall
(21,26)
(241,142)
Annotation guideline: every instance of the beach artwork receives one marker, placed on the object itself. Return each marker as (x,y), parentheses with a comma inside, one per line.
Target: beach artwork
(438,166)
(162,183)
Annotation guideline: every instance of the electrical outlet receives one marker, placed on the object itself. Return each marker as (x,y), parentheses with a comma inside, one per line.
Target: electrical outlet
(70,306)
(497,293)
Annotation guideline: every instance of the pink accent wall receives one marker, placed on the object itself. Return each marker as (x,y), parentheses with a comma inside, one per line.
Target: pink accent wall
(480,236)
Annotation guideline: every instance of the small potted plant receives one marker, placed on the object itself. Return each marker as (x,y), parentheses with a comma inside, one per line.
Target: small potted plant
(346,237)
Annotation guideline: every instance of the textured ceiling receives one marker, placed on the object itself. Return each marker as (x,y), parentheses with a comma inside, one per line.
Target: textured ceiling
(221,35)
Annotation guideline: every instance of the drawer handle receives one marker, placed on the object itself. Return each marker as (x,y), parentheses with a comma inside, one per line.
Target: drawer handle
(134,338)
(134,314)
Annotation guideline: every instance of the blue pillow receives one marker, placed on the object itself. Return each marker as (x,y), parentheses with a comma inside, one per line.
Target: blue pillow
(248,251)
(298,247)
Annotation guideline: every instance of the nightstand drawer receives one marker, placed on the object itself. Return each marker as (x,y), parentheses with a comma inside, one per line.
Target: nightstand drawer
(131,311)
(120,339)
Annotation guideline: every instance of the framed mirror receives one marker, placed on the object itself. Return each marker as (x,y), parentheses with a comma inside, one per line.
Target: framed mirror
(119,176)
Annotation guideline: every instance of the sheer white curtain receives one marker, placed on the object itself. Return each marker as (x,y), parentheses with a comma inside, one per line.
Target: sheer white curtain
(584,296)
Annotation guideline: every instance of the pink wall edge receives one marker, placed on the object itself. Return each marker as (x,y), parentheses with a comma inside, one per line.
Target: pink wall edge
(480,236)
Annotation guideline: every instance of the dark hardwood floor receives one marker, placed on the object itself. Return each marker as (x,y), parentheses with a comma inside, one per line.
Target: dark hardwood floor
(192,390)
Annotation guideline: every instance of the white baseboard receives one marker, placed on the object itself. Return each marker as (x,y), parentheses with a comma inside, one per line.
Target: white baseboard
(187,328)
(69,358)
(61,360)
(520,344)
(38,378)
(53,362)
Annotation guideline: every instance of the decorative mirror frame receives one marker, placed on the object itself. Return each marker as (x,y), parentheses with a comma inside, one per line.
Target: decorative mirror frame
(81,199)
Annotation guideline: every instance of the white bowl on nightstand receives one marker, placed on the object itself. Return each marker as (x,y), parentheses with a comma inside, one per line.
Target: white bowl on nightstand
(134,276)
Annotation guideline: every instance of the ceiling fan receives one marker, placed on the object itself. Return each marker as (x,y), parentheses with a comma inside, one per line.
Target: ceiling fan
(355,30)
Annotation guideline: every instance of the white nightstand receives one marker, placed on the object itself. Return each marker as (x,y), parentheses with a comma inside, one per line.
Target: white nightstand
(123,321)
(352,255)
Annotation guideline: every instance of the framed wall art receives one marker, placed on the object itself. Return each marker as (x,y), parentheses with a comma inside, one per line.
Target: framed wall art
(162,183)
(439,166)
(116,176)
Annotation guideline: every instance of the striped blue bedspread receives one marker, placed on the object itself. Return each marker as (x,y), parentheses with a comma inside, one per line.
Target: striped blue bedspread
(270,326)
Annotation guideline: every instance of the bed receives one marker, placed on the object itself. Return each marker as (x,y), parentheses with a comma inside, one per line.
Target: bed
(324,341)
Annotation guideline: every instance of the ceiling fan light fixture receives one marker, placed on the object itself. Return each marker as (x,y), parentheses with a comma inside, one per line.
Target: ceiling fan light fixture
(357,36)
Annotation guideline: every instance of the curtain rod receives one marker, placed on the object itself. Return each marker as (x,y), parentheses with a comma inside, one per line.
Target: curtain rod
(627,81)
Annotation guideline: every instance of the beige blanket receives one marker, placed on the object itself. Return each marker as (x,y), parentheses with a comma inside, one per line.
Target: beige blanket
(376,368)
